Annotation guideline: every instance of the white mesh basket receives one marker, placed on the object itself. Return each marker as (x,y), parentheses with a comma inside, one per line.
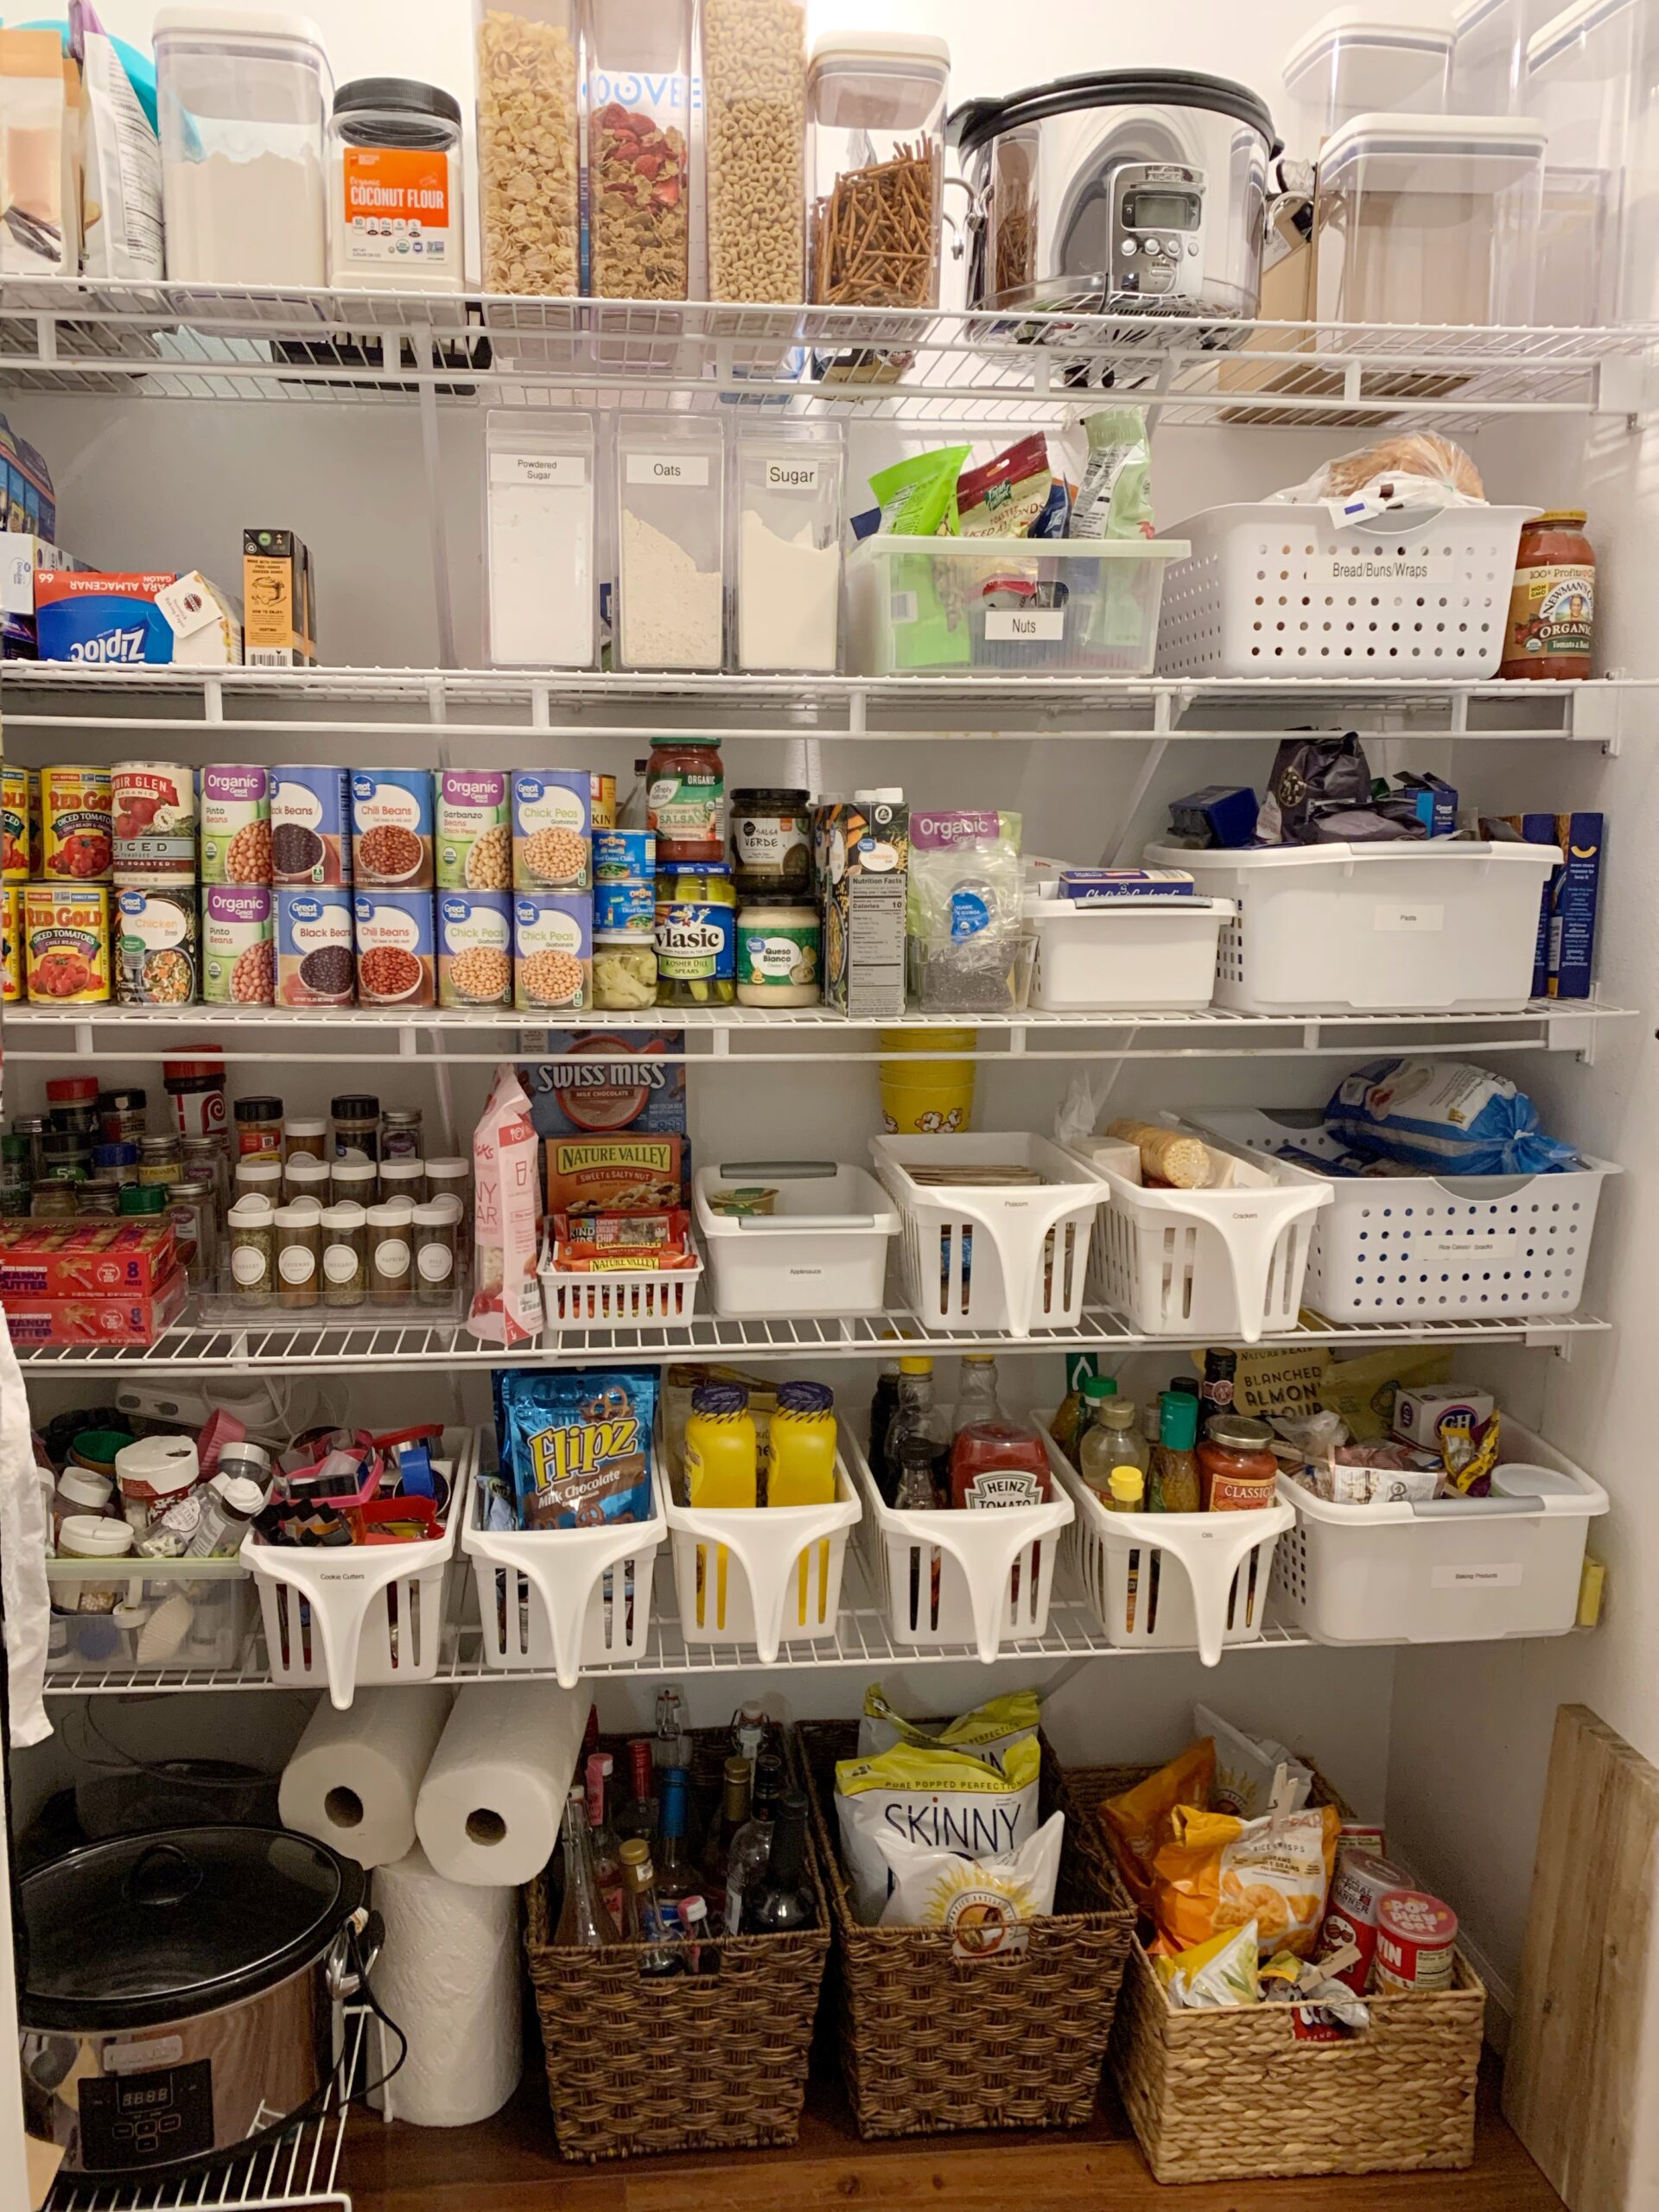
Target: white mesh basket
(764,1574)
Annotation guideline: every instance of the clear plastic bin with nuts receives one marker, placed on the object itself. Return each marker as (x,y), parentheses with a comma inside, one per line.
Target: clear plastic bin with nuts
(638,61)
(528,158)
(754,118)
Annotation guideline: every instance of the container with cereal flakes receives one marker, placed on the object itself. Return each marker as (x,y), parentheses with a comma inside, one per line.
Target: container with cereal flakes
(473,828)
(552,817)
(76,824)
(397,963)
(155,944)
(315,964)
(239,944)
(235,804)
(474,948)
(391,827)
(552,951)
(154,822)
(310,825)
(67,943)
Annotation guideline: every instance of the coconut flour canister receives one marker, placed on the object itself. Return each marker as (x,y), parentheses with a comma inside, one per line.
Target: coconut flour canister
(394,185)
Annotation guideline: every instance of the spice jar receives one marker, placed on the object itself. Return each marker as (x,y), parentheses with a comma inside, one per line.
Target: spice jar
(259,1175)
(1552,601)
(345,1254)
(771,842)
(54,1199)
(435,1253)
(306,1177)
(394,184)
(697,930)
(875,151)
(777,955)
(356,1118)
(299,1239)
(15,1175)
(205,1159)
(1237,1466)
(71,1103)
(685,802)
(391,1240)
(400,1133)
(258,1125)
(68,1156)
(159,1162)
(251,1223)
(450,1177)
(197,1090)
(121,1115)
(33,1126)
(93,1199)
(353,1182)
(195,1225)
(307,1137)
(403,1179)
(142,1202)
(112,1163)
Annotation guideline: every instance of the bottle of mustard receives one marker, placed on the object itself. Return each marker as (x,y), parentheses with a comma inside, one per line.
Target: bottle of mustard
(802,1468)
(721,1452)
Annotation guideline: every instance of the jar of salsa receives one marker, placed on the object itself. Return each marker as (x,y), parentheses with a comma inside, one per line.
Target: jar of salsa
(1552,601)
(996,1463)
(1237,1466)
(685,801)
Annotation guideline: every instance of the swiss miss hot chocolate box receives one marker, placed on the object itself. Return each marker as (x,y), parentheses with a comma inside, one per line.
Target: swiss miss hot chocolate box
(611,1111)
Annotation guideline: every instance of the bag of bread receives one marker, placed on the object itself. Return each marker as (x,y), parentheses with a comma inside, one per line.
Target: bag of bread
(1418,469)
(1135,1821)
(1213,1872)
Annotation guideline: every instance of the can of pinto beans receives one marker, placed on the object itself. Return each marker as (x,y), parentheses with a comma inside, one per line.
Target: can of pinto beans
(76,824)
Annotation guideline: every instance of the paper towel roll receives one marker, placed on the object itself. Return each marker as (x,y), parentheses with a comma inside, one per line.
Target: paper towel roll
(491,1805)
(354,1776)
(448,1975)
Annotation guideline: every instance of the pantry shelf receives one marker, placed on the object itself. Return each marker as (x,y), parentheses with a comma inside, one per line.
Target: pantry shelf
(916,365)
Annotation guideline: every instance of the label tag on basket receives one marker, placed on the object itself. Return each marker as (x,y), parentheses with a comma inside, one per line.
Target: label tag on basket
(1507,1577)
(1392,918)
(1019,625)
(1365,562)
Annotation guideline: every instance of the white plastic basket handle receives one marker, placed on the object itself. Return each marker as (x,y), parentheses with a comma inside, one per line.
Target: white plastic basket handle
(988,1593)
(1250,1244)
(1212,1548)
(1406,522)
(337,1615)
(756,1551)
(565,1597)
(1020,1283)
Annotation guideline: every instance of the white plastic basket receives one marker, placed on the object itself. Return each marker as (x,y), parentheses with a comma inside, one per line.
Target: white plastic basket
(168,1615)
(1120,956)
(1408,927)
(1452,1570)
(823,1253)
(1401,1247)
(765,1575)
(1171,1581)
(564,1599)
(1281,591)
(1227,1263)
(659,1299)
(978,1580)
(988,1257)
(364,1615)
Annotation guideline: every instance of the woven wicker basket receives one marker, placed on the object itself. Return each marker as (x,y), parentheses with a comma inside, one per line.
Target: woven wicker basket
(636,2066)
(931,2043)
(1231,2095)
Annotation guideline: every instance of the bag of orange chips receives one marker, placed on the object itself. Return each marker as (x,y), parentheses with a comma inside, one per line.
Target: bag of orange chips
(1135,1821)
(1210,1871)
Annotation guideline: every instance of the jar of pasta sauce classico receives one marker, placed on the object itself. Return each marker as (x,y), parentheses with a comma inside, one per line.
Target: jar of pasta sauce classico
(1552,601)
(1237,1467)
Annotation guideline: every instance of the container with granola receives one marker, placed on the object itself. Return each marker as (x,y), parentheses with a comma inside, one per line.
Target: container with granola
(639,175)
(529,164)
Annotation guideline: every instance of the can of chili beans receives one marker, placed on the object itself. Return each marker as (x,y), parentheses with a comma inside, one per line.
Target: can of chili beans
(77,823)
(396,957)
(391,827)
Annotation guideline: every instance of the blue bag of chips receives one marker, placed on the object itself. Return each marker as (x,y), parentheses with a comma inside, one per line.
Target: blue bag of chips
(577,1443)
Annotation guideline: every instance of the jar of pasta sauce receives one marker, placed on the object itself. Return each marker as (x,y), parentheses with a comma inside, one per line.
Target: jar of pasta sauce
(685,802)
(1552,601)
(1237,1467)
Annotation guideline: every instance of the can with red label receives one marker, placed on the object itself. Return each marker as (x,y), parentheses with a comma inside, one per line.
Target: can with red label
(1362,1881)
(154,806)
(1416,1938)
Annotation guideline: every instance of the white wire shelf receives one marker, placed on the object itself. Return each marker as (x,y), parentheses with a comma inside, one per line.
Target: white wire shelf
(920,366)
(297,2173)
(272,1346)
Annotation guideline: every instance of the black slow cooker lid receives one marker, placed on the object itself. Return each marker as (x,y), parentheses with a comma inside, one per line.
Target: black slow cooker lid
(160,1927)
(975,121)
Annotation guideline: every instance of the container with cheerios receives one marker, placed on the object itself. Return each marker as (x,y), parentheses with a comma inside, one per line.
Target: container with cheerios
(472,827)
(239,944)
(474,948)
(11,943)
(18,819)
(552,826)
(235,806)
(67,943)
(154,944)
(552,951)
(396,963)
(77,833)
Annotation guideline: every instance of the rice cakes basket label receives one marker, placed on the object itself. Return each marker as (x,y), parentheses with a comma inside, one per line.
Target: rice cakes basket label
(552,821)
(236,824)
(238,945)
(155,947)
(154,809)
(314,966)
(474,948)
(391,827)
(396,963)
(473,829)
(310,829)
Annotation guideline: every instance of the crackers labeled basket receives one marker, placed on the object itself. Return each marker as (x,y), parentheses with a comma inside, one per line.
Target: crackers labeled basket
(931,2043)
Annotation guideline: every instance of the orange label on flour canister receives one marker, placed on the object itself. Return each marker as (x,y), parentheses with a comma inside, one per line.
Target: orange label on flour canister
(396,206)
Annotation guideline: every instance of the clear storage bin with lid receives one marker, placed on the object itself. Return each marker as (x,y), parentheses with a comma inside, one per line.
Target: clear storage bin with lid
(1489,55)
(671,543)
(243,97)
(1428,218)
(787,494)
(394,187)
(639,181)
(529,145)
(1591,79)
(875,145)
(1358,60)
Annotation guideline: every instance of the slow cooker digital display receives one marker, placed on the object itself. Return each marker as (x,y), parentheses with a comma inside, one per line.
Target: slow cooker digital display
(1161,211)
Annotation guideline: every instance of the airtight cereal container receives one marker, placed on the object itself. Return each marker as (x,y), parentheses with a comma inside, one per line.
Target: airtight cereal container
(670,521)
(529,155)
(1357,59)
(639,174)
(1590,81)
(1489,55)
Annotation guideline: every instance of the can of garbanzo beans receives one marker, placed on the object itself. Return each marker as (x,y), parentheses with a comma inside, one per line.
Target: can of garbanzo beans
(76,817)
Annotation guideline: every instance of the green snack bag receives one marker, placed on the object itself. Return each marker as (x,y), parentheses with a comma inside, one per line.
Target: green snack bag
(1115,501)
(918,498)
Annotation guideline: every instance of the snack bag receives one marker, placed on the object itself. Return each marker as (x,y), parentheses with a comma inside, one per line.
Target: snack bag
(1445,1117)
(1363,1391)
(506,1307)
(578,1444)
(1135,1821)
(1212,1871)
(945,1799)
(987,1732)
(1246,1767)
(1224,1971)
(986,1904)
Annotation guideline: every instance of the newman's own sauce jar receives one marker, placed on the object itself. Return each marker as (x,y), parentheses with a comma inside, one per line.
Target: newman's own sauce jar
(1552,601)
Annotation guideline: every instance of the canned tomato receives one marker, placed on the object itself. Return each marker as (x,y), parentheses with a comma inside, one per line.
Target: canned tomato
(474,829)
(238,945)
(474,948)
(1416,1939)
(396,964)
(314,947)
(156,945)
(310,829)
(17,817)
(76,825)
(155,808)
(235,824)
(11,943)
(67,943)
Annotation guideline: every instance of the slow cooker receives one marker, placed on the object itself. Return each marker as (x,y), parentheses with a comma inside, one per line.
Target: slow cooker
(1122,192)
(180,1993)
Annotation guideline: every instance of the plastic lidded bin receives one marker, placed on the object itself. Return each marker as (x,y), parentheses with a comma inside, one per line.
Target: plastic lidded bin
(875,152)
(787,490)
(1358,59)
(243,99)
(1489,55)
(1429,219)
(541,538)
(638,61)
(1590,79)
(395,187)
(671,551)
(529,137)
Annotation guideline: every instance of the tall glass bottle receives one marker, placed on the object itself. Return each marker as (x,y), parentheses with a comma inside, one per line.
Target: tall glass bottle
(639,1815)
(751,1845)
(643,1920)
(722,1832)
(582,1918)
(976,1398)
(677,1877)
(918,1419)
(783,1898)
(607,1861)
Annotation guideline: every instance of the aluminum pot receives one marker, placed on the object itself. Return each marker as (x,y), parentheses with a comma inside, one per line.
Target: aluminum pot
(181,1992)
(1120,191)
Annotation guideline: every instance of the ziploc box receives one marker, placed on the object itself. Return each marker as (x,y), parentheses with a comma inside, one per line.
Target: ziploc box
(863,852)
(156,618)
(621,1091)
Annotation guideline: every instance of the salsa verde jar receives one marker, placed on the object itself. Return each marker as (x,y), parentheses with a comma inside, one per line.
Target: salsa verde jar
(696,935)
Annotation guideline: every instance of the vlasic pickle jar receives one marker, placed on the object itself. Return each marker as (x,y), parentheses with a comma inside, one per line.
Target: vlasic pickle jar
(696,935)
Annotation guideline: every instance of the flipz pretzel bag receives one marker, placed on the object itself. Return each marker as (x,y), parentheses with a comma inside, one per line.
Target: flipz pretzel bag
(578,1446)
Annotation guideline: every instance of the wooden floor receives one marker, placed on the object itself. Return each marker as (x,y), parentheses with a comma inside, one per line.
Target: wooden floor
(510,2165)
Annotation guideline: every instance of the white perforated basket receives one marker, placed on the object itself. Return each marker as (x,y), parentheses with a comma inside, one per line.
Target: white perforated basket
(1171,1581)
(976,1579)
(364,1615)
(658,1297)
(564,1599)
(765,1575)
(1402,1248)
(989,1256)
(1281,591)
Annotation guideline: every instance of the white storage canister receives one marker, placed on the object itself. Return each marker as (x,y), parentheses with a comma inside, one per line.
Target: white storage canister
(1489,55)
(1590,79)
(1357,60)
(1428,218)
(394,186)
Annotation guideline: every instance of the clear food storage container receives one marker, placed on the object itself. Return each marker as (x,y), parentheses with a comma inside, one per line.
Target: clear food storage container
(1589,81)
(243,104)
(529,146)
(1489,55)
(540,497)
(639,60)
(1428,218)
(754,132)
(157,1615)
(1358,59)
(671,550)
(787,496)
(395,217)
(875,151)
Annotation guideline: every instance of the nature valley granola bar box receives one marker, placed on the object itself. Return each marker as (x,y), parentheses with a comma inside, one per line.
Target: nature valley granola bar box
(587,1175)
(622,1088)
